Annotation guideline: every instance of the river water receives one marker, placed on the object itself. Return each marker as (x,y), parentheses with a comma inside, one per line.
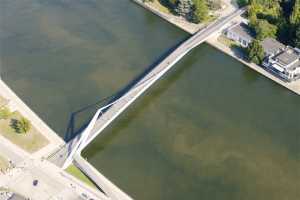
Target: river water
(211,129)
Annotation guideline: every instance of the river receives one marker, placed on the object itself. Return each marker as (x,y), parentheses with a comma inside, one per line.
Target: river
(211,129)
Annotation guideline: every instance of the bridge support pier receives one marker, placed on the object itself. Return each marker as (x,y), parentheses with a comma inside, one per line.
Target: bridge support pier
(80,144)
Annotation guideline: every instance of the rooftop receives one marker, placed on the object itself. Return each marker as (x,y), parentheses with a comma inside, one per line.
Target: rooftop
(287,57)
(294,66)
(272,46)
(243,30)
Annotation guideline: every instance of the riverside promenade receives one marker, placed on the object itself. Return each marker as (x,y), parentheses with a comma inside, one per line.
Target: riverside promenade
(16,103)
(25,166)
(293,86)
(112,191)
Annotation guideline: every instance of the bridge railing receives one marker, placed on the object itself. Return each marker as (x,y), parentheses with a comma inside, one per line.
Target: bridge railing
(146,80)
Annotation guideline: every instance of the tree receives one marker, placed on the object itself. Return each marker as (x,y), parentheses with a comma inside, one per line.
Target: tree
(214,4)
(184,8)
(297,37)
(287,7)
(255,52)
(285,32)
(295,16)
(252,19)
(170,3)
(22,125)
(242,3)
(254,8)
(200,10)
(264,29)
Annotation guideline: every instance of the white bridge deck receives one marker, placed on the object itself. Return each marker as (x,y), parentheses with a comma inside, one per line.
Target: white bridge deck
(65,155)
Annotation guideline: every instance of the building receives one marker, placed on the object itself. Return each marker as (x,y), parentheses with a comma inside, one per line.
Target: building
(272,47)
(285,64)
(240,33)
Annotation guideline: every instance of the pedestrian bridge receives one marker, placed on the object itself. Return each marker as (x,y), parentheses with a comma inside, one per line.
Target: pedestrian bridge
(65,155)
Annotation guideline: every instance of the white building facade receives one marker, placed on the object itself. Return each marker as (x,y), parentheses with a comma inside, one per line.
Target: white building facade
(241,34)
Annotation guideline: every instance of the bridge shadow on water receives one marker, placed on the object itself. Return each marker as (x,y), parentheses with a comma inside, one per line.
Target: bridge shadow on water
(140,108)
(73,128)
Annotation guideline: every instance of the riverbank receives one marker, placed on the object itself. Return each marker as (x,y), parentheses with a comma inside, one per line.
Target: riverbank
(14,153)
(182,23)
(293,86)
(213,41)
(175,20)
(16,104)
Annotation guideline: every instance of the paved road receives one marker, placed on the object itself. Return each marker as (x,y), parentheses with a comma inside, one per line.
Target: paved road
(11,152)
(141,86)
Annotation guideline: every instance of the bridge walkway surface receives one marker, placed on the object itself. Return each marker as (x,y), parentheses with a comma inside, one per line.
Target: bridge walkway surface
(149,79)
(105,115)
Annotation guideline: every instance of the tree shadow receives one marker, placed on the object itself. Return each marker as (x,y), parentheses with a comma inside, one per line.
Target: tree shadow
(14,125)
(169,6)
(239,52)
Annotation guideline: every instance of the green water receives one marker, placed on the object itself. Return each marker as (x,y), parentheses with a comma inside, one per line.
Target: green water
(62,55)
(212,129)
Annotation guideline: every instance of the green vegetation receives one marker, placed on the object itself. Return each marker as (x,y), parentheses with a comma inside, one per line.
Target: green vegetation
(242,3)
(279,19)
(195,11)
(227,42)
(201,11)
(264,29)
(4,113)
(255,52)
(297,38)
(14,126)
(21,125)
(74,171)
(231,44)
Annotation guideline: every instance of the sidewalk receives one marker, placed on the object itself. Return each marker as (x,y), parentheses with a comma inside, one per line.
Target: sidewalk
(112,191)
(17,104)
(53,182)
(293,86)
(11,151)
(188,27)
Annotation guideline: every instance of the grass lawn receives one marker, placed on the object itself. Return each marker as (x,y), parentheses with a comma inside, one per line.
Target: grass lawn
(227,42)
(3,163)
(74,171)
(30,141)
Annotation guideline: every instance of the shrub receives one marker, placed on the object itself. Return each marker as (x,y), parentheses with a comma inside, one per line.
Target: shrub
(22,125)
(4,113)
(242,3)
(255,52)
